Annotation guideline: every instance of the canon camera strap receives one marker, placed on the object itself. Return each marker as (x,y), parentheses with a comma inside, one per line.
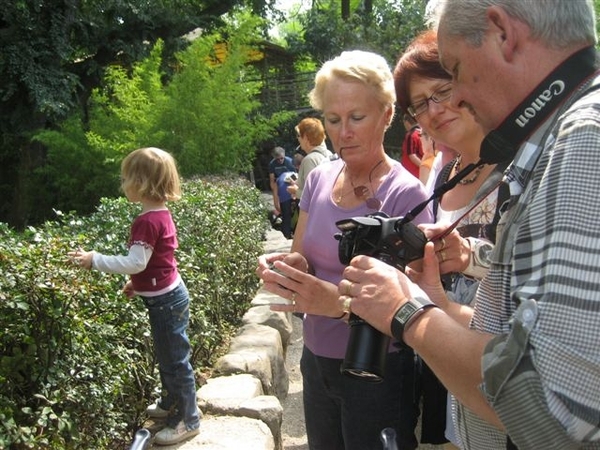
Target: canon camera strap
(503,143)
(505,140)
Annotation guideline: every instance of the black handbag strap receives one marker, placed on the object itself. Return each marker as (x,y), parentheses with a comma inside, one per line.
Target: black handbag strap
(441,179)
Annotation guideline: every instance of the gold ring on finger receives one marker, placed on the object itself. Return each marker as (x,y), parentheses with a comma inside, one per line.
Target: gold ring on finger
(347,305)
(349,289)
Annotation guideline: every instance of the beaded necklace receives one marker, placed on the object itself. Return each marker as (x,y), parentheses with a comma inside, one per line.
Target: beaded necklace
(475,173)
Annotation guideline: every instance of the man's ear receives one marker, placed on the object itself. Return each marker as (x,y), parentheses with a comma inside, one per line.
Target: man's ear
(503,30)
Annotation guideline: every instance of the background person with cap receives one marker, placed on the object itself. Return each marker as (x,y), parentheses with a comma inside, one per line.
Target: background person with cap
(279,168)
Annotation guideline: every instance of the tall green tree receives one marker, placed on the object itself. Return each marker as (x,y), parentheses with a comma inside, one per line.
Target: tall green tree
(211,116)
(54,52)
(207,115)
(83,154)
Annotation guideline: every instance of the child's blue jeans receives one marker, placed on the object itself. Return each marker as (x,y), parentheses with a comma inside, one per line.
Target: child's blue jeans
(169,317)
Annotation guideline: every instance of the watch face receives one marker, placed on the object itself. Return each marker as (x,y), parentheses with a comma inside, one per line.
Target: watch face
(482,254)
(405,312)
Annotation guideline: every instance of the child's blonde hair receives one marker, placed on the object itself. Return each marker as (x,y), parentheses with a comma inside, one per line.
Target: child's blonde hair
(152,174)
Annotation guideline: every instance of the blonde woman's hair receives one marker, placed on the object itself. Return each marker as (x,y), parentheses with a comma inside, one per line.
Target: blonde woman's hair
(152,174)
(365,67)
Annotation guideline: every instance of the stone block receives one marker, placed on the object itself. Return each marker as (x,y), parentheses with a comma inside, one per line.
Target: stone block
(268,409)
(223,395)
(256,338)
(255,362)
(261,314)
(228,433)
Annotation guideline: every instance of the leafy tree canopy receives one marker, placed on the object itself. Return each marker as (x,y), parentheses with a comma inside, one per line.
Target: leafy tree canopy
(53,53)
(51,49)
(382,26)
(207,115)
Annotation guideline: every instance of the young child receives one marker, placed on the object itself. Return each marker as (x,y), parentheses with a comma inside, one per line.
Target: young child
(149,176)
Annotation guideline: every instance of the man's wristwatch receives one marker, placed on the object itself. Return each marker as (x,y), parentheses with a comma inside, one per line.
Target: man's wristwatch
(407,313)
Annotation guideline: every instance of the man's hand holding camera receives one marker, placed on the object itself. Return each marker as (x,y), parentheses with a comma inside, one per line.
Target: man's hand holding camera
(377,290)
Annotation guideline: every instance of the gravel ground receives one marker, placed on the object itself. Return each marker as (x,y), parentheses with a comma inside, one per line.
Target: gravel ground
(292,428)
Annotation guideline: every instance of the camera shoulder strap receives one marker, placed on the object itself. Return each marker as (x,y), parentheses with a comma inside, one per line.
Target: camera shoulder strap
(502,143)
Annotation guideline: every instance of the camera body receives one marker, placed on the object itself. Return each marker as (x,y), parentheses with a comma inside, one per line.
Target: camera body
(382,237)
(394,242)
(291,178)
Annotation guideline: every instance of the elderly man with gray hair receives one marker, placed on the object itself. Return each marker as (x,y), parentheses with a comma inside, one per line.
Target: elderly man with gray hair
(526,369)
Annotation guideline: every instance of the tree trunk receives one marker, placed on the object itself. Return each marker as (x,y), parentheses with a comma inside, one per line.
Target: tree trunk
(31,155)
(345,9)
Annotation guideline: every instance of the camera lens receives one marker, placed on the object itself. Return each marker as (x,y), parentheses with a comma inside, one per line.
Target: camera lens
(366,351)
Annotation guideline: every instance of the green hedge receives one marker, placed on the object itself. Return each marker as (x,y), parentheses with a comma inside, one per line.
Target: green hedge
(76,365)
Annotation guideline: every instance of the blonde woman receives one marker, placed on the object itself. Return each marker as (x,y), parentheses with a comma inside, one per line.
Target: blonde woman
(355,93)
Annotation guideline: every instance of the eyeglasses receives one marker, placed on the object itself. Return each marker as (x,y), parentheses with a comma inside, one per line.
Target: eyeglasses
(439,96)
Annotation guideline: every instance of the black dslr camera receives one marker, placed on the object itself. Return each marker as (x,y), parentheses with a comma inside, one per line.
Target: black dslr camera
(386,238)
(395,242)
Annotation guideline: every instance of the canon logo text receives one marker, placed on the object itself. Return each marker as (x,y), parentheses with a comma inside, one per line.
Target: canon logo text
(556,88)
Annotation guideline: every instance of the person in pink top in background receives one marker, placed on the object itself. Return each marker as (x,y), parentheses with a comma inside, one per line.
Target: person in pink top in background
(150,177)
(412,147)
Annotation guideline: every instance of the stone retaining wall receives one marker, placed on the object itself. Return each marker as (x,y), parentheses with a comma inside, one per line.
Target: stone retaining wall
(241,402)
(250,381)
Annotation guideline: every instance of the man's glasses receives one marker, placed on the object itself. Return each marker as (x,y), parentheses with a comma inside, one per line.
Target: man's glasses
(439,96)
